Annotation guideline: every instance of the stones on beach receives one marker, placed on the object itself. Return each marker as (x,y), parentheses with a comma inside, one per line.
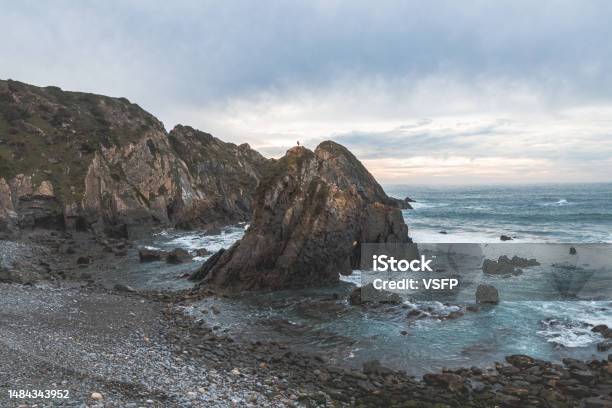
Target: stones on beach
(96,396)
(487,294)
(521,361)
(452,382)
(83,260)
(178,256)
(124,288)
(374,367)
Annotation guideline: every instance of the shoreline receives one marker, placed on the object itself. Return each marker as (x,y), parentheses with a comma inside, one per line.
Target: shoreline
(155,353)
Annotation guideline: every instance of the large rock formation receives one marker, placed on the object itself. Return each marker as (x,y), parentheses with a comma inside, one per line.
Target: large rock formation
(77,160)
(223,178)
(312,212)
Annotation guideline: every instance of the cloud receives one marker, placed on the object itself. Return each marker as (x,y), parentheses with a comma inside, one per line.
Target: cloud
(458,82)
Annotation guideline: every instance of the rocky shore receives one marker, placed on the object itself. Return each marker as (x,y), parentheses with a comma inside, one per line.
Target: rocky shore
(133,349)
(82,174)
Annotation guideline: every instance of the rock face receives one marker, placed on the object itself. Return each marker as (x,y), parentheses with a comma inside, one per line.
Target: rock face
(312,212)
(71,160)
(223,178)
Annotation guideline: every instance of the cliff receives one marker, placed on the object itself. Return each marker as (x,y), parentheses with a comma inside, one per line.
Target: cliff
(71,160)
(312,212)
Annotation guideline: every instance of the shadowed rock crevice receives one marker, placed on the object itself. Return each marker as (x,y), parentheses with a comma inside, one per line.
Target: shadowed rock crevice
(312,212)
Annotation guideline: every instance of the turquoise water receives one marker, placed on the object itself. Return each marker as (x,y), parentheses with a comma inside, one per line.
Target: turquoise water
(321,320)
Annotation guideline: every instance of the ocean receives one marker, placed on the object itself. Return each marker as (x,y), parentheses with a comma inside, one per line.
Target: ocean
(529,213)
(320,321)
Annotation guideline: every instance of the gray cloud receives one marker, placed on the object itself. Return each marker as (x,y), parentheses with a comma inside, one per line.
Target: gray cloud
(356,71)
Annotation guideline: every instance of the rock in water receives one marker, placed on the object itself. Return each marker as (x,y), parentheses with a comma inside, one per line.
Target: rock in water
(312,212)
(368,294)
(178,256)
(487,294)
(150,255)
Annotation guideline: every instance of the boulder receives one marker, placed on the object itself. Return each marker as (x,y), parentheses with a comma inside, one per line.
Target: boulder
(312,212)
(178,256)
(151,255)
(487,294)
(505,238)
(202,252)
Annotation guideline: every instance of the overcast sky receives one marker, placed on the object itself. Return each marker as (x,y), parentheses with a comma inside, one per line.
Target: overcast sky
(421,91)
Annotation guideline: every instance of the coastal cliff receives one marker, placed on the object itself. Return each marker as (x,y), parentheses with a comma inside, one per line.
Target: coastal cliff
(71,160)
(312,212)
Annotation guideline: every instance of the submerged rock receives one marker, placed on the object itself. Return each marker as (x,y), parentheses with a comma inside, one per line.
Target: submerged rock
(178,256)
(313,210)
(202,252)
(151,255)
(368,294)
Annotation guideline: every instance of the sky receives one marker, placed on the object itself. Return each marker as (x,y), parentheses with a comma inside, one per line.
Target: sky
(423,92)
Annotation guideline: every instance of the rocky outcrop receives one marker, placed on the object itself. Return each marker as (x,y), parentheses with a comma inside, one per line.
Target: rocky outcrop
(312,212)
(506,266)
(78,161)
(222,179)
(403,203)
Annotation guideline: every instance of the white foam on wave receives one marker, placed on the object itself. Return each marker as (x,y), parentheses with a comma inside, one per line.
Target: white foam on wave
(354,278)
(560,202)
(568,335)
(572,322)
(191,241)
(423,205)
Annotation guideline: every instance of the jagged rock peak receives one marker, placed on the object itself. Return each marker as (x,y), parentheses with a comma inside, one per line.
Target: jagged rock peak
(312,212)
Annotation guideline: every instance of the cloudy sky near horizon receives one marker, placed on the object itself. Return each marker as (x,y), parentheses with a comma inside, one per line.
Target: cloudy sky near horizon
(446,92)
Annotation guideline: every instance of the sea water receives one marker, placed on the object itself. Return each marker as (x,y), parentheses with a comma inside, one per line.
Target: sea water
(321,320)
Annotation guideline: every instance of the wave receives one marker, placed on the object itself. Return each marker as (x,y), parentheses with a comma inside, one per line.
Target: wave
(568,333)
(558,203)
